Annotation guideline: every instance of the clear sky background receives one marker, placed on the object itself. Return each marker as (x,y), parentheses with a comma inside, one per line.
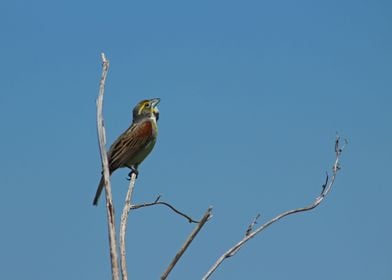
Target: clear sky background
(253,93)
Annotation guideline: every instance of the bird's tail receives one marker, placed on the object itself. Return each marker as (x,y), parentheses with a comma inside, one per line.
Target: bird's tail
(99,191)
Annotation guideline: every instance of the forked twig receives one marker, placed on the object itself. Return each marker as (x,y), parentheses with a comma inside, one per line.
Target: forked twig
(123,227)
(326,188)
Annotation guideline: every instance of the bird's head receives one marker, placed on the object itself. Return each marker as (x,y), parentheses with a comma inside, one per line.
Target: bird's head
(146,109)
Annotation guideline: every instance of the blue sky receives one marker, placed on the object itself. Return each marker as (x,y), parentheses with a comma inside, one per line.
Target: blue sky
(253,93)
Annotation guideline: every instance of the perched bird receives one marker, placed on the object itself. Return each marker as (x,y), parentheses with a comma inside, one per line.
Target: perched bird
(135,144)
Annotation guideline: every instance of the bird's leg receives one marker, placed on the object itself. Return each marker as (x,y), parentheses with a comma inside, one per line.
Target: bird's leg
(134,170)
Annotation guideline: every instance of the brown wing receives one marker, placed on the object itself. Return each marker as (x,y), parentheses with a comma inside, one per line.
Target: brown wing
(132,141)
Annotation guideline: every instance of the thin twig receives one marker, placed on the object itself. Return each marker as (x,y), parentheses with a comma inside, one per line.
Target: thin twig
(189,240)
(105,166)
(326,188)
(247,233)
(123,225)
(158,202)
(252,225)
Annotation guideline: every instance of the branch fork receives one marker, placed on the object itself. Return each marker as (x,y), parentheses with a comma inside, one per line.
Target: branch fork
(251,232)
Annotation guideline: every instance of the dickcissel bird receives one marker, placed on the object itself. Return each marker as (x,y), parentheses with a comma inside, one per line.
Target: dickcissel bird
(136,143)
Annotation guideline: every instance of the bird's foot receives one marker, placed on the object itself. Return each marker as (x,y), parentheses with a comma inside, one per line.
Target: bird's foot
(134,170)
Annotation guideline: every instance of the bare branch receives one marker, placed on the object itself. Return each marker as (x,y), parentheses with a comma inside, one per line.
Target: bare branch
(158,202)
(123,225)
(105,166)
(189,240)
(326,188)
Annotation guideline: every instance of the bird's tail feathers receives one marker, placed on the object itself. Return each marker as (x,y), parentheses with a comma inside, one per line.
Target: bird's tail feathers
(99,191)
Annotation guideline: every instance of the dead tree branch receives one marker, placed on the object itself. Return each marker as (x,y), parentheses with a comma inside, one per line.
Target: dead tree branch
(105,167)
(326,188)
(186,244)
(123,225)
(124,218)
(158,202)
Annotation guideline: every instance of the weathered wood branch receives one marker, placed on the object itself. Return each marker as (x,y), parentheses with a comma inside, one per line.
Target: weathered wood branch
(106,175)
(326,188)
(187,242)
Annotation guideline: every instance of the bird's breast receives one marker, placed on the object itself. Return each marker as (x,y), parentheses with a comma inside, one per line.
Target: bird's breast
(148,129)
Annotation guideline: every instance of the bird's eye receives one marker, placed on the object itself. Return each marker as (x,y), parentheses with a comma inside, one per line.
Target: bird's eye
(147,105)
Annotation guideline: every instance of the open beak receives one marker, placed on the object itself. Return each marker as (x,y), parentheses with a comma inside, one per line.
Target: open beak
(154,103)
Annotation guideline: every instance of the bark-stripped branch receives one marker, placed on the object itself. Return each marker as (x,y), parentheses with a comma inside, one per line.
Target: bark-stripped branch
(186,244)
(123,225)
(326,188)
(105,167)
(158,202)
